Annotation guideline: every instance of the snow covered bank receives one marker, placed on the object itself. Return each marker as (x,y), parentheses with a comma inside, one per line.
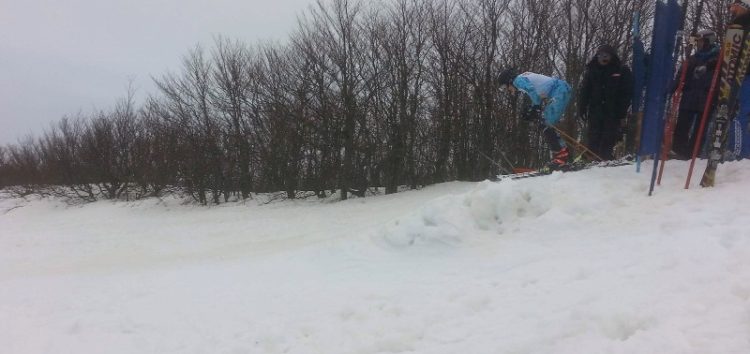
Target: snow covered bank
(570,263)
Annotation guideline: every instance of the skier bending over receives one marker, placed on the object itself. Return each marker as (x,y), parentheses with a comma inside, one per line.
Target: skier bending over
(551,92)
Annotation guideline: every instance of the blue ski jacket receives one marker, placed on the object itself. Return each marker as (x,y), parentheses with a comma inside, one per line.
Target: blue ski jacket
(542,88)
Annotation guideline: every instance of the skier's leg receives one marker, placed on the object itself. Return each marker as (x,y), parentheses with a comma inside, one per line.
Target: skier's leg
(682,138)
(610,136)
(553,112)
(552,138)
(596,129)
(692,134)
(558,101)
(557,147)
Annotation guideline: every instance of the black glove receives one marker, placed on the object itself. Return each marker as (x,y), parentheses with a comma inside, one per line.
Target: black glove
(533,113)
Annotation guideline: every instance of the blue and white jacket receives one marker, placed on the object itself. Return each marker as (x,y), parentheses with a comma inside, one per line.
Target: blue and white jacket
(538,87)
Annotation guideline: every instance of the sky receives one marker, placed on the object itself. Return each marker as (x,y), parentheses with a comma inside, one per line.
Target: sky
(60,58)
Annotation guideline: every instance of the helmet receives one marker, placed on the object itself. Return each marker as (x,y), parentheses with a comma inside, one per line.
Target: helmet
(507,76)
(708,35)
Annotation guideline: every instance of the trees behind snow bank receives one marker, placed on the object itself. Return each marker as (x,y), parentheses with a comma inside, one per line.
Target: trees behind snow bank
(361,95)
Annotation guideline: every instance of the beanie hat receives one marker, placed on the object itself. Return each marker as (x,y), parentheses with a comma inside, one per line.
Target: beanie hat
(708,35)
(507,76)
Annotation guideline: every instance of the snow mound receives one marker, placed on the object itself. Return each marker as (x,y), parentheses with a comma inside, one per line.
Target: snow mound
(449,221)
(509,207)
(580,262)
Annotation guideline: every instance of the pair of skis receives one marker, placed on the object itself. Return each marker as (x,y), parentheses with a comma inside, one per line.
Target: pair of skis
(577,164)
(572,167)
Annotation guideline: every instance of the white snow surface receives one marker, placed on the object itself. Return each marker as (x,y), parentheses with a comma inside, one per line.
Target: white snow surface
(580,262)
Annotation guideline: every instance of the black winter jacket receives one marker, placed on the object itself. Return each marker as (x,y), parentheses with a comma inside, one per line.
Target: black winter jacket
(698,79)
(606,91)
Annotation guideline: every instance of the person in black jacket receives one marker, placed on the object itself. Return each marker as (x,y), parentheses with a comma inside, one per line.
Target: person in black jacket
(604,98)
(694,93)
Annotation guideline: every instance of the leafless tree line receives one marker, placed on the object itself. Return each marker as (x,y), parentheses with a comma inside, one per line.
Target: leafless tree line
(362,95)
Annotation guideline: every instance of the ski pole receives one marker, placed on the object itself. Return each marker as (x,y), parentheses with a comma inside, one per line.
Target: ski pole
(502,169)
(672,115)
(507,160)
(575,143)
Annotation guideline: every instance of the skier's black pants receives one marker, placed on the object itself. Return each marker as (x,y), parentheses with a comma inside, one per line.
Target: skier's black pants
(553,139)
(603,134)
(685,133)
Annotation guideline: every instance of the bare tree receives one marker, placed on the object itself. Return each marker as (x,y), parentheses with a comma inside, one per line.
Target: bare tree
(384,94)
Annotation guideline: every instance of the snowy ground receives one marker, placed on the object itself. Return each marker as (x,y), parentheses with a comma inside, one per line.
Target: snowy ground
(570,263)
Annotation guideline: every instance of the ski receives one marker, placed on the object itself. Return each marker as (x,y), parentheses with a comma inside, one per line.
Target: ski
(572,167)
(704,118)
(736,47)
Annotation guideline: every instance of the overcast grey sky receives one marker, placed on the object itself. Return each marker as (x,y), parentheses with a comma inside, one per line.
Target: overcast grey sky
(59,57)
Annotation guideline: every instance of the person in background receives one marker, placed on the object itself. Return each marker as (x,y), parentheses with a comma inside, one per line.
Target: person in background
(700,68)
(604,98)
(549,97)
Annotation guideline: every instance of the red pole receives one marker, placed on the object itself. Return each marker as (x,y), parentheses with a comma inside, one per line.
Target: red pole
(704,118)
(671,120)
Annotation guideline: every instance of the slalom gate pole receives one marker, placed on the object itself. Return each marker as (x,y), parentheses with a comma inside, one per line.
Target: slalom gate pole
(673,59)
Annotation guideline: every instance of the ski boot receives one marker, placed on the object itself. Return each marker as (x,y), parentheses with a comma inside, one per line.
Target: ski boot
(559,160)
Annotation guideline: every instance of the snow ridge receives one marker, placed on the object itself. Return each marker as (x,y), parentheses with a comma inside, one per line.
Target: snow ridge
(568,263)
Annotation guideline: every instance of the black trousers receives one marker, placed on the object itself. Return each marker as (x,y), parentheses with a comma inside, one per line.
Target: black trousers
(603,134)
(685,133)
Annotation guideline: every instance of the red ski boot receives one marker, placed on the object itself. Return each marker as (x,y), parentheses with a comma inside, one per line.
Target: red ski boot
(559,159)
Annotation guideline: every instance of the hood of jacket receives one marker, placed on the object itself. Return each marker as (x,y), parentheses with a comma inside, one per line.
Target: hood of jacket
(614,62)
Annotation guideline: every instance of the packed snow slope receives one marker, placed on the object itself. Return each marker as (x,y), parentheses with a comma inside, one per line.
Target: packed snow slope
(580,262)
